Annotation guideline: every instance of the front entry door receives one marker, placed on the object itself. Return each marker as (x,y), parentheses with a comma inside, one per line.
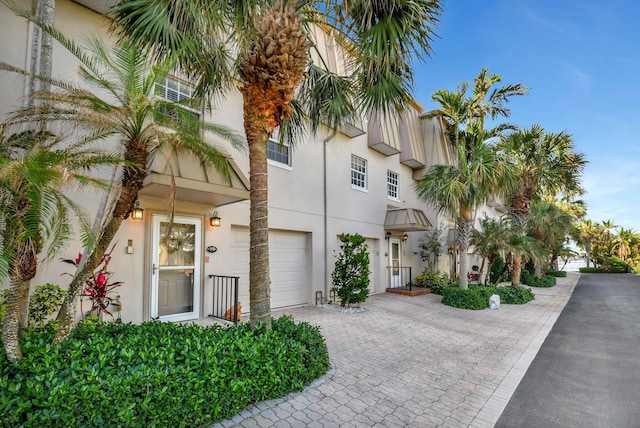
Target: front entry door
(396,262)
(176,265)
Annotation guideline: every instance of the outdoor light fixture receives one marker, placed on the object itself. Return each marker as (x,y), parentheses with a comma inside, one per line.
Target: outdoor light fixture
(405,237)
(214,220)
(137,213)
(387,236)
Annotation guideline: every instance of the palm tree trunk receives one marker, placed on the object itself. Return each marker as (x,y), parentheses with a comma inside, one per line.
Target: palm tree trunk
(464,230)
(537,268)
(280,49)
(587,250)
(23,269)
(18,292)
(131,183)
(46,51)
(517,267)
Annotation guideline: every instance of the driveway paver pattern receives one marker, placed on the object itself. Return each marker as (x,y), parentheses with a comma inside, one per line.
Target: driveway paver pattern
(413,362)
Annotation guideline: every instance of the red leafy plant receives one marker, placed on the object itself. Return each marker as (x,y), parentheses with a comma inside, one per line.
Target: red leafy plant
(99,287)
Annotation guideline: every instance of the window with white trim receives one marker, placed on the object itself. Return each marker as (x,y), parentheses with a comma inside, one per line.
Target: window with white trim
(278,152)
(393,191)
(358,172)
(175,91)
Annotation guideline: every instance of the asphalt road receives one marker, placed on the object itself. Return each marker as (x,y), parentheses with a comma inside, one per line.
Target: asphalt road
(587,372)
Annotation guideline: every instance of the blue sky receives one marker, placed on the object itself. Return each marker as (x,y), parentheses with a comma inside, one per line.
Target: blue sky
(581,62)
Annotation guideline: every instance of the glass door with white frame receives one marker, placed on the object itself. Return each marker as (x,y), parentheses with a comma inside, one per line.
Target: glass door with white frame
(395,261)
(176,265)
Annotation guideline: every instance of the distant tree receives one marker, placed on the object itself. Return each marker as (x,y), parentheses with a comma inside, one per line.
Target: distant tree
(432,245)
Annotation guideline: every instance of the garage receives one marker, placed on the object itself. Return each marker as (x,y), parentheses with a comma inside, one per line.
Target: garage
(287,262)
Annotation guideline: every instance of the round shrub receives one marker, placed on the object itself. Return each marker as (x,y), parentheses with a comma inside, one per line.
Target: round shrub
(435,280)
(475,297)
(514,294)
(544,281)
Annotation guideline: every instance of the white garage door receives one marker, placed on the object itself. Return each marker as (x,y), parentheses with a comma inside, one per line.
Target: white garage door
(287,263)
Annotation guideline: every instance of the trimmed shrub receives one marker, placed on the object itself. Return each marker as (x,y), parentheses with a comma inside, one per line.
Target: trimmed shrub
(545,281)
(615,265)
(514,294)
(556,273)
(591,270)
(475,297)
(156,374)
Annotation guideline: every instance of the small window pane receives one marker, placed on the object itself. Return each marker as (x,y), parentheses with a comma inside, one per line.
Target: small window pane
(392,185)
(358,172)
(278,152)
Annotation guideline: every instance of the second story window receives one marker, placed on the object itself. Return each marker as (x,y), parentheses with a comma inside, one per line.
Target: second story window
(279,152)
(392,185)
(176,91)
(358,173)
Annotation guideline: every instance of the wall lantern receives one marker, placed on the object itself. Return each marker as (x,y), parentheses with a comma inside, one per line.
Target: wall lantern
(405,237)
(137,213)
(387,236)
(214,220)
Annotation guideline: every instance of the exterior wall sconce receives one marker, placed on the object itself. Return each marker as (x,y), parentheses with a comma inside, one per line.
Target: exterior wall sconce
(214,220)
(137,213)
(405,237)
(387,236)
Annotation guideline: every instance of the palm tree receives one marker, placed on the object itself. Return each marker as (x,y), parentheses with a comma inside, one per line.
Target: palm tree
(35,214)
(550,226)
(123,104)
(623,243)
(586,231)
(521,246)
(547,164)
(459,189)
(489,241)
(265,49)
(478,172)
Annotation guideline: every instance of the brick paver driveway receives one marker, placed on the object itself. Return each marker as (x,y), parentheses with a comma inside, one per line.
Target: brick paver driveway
(413,362)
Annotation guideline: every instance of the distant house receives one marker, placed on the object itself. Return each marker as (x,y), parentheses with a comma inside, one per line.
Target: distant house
(361,181)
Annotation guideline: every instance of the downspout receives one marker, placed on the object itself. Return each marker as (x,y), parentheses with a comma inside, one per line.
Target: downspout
(325,214)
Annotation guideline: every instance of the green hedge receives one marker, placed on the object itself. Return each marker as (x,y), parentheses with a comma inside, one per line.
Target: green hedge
(435,280)
(556,273)
(545,281)
(477,296)
(156,374)
(591,270)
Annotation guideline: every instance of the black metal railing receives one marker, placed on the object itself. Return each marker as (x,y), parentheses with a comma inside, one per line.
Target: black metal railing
(399,277)
(225,298)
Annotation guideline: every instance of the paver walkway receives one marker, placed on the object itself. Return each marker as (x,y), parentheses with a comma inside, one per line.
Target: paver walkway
(413,362)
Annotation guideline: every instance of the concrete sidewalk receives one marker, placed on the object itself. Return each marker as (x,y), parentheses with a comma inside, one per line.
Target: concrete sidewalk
(413,362)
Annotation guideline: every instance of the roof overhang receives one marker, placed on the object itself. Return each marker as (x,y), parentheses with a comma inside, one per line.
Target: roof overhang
(209,187)
(407,220)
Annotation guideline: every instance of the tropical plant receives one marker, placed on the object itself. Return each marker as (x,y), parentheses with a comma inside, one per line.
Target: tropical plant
(432,245)
(269,50)
(488,241)
(521,247)
(35,213)
(44,302)
(550,226)
(119,99)
(459,189)
(624,242)
(546,164)
(350,276)
(478,172)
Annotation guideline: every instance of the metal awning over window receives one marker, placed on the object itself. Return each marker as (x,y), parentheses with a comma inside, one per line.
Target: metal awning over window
(407,220)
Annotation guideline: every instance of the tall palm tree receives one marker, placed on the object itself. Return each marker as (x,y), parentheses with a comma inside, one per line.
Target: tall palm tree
(521,247)
(459,189)
(118,99)
(586,231)
(478,172)
(35,214)
(265,49)
(547,164)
